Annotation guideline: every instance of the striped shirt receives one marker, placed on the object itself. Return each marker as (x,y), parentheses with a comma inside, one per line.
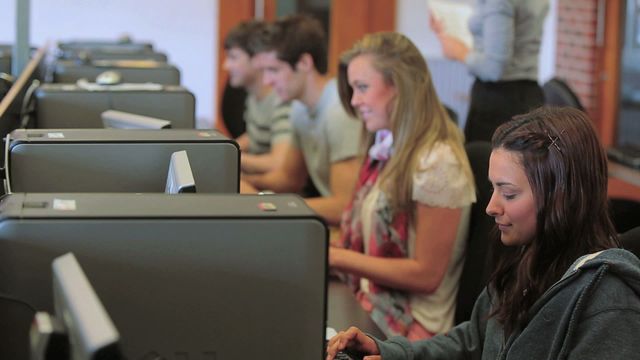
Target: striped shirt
(267,122)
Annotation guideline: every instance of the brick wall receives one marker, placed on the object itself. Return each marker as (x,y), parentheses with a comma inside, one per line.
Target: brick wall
(576,53)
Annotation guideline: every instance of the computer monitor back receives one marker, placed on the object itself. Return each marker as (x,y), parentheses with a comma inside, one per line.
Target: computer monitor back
(68,71)
(117,160)
(72,106)
(183,277)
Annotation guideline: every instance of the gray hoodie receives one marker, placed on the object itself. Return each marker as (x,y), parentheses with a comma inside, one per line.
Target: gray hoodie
(593,312)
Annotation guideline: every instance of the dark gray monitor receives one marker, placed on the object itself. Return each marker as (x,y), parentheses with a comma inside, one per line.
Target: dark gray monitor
(132,71)
(74,106)
(196,276)
(89,329)
(125,44)
(87,56)
(116,160)
(112,119)
(87,50)
(180,177)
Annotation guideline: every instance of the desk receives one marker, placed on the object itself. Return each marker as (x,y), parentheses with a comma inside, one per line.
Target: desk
(624,182)
(343,310)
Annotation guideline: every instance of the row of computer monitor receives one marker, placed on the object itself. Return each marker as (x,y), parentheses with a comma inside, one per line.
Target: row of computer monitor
(92,76)
(33,103)
(190,276)
(134,62)
(90,333)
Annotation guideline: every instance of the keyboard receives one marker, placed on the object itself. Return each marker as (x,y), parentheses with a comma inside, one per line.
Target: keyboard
(626,154)
(342,355)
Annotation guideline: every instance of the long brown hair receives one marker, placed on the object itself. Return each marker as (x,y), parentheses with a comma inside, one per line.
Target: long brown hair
(418,119)
(567,170)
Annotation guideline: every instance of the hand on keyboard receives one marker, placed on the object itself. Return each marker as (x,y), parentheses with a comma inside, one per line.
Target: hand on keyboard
(351,344)
(346,356)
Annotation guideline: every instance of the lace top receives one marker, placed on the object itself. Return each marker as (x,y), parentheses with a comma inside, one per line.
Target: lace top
(440,181)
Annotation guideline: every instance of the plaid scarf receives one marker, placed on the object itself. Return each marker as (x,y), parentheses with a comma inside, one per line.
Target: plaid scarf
(389,308)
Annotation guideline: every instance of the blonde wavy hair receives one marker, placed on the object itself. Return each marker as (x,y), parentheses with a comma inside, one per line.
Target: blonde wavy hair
(418,119)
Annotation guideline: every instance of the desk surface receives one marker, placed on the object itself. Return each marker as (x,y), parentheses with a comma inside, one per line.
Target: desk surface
(624,182)
(343,310)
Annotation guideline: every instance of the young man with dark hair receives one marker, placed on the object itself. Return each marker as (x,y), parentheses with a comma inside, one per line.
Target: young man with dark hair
(326,141)
(268,129)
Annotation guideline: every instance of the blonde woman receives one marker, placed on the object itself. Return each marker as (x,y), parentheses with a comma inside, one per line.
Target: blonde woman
(403,235)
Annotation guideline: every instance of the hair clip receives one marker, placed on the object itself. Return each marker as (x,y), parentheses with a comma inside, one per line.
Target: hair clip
(554,140)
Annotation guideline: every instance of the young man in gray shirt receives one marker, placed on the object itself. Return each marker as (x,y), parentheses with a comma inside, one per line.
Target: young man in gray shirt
(326,141)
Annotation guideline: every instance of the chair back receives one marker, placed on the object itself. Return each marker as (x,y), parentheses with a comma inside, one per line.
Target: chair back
(625,214)
(558,93)
(630,240)
(480,250)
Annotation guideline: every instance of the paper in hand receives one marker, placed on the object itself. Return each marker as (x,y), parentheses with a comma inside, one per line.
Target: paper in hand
(454,17)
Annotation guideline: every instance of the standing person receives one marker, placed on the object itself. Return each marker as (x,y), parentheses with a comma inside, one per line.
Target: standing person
(293,55)
(403,235)
(563,290)
(504,60)
(268,129)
